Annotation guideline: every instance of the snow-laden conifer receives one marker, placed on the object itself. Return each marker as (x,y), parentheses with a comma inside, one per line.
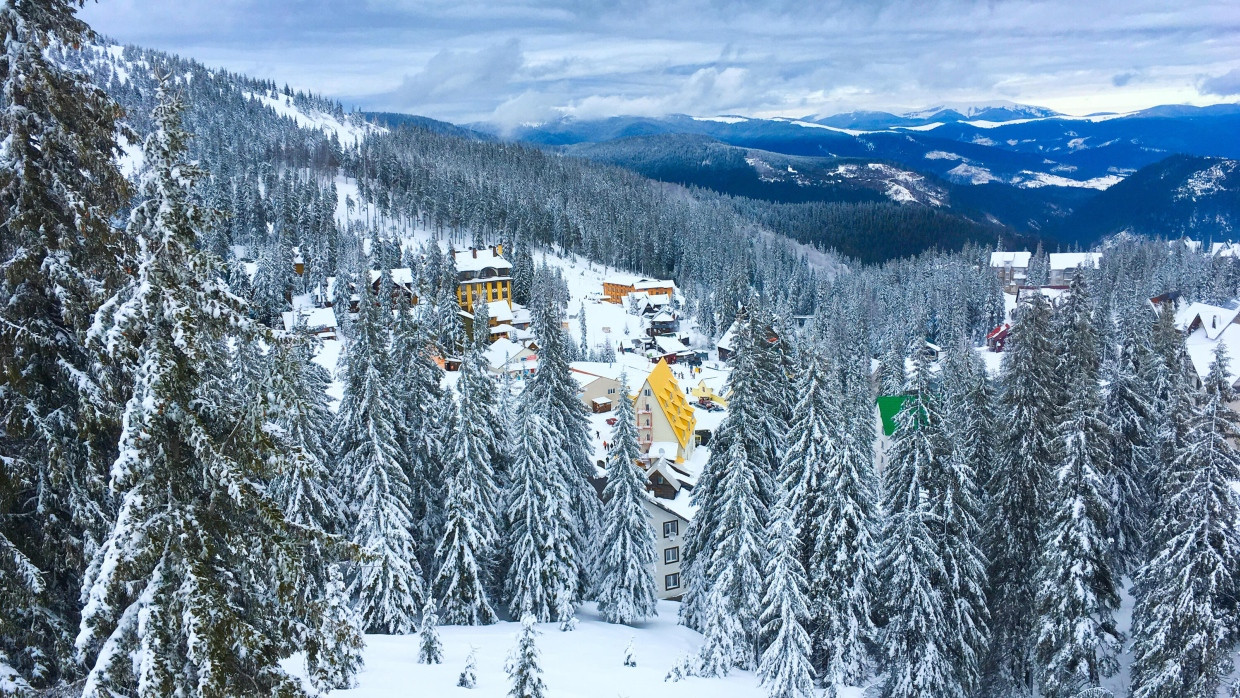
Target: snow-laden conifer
(469,675)
(626,588)
(388,582)
(461,557)
(334,656)
(832,499)
(538,542)
(1183,622)
(1017,492)
(188,595)
(919,644)
(522,666)
(430,648)
(60,190)
(784,667)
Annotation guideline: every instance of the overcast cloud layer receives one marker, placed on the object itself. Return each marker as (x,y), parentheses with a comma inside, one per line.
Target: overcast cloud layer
(531,60)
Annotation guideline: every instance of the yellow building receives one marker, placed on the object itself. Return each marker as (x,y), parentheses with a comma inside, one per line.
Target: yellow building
(713,389)
(482,276)
(665,421)
(614,291)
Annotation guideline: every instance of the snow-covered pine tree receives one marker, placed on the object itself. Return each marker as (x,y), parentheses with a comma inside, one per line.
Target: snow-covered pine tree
(388,583)
(469,675)
(956,508)
(584,333)
(462,554)
(1183,622)
(307,492)
(538,543)
(832,499)
(739,455)
(552,394)
(1129,406)
(522,665)
(424,419)
(334,656)
(784,667)
(626,557)
(1016,491)
(190,591)
(430,649)
(59,191)
(1077,592)
(1038,272)
(271,282)
(919,643)
(482,327)
(735,567)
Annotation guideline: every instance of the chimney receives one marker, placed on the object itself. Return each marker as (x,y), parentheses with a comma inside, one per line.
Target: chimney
(493,252)
(475,251)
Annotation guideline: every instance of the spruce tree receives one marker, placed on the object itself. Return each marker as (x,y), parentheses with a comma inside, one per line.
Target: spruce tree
(193,589)
(430,649)
(388,583)
(552,394)
(919,642)
(59,191)
(334,657)
(538,543)
(1017,492)
(785,664)
(740,457)
(1078,591)
(957,508)
(1184,622)
(626,588)
(832,498)
(462,554)
(522,665)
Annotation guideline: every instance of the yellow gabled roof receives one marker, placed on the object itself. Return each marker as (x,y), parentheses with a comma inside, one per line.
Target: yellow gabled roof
(672,401)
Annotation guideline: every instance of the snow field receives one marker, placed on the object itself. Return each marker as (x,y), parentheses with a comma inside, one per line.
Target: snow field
(584,663)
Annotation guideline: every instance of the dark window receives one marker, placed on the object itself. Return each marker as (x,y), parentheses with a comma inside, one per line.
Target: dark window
(671,528)
(671,555)
(672,581)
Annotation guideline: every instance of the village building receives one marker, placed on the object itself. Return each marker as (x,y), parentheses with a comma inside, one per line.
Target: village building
(482,276)
(598,392)
(1207,326)
(505,356)
(1010,267)
(664,416)
(320,322)
(1064,266)
(615,291)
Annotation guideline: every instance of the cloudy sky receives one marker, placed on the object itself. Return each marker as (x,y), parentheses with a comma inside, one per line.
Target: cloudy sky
(513,61)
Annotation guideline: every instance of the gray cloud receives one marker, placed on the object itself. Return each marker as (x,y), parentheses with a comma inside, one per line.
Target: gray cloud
(528,60)
(1225,85)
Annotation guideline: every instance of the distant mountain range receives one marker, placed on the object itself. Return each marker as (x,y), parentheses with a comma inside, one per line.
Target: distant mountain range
(1028,168)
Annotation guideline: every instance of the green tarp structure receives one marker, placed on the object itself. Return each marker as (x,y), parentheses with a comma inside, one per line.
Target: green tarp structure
(888,407)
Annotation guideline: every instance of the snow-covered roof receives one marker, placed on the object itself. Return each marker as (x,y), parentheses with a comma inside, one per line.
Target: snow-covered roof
(725,342)
(401,277)
(1071,260)
(499,311)
(601,401)
(1200,346)
(1225,249)
(503,329)
(502,351)
(669,345)
(636,371)
(647,284)
(314,318)
(1015,259)
(1214,318)
(663,316)
(477,260)
(663,449)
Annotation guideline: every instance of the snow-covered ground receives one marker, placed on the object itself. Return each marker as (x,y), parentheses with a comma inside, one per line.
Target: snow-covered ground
(585,663)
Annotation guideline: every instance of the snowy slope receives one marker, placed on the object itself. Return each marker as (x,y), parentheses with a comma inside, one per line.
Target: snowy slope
(584,663)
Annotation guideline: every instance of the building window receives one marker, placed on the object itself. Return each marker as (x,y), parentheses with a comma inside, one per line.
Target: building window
(671,581)
(671,556)
(646,392)
(671,528)
(611,391)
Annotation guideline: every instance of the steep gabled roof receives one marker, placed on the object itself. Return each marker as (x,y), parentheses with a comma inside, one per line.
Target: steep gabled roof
(671,398)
